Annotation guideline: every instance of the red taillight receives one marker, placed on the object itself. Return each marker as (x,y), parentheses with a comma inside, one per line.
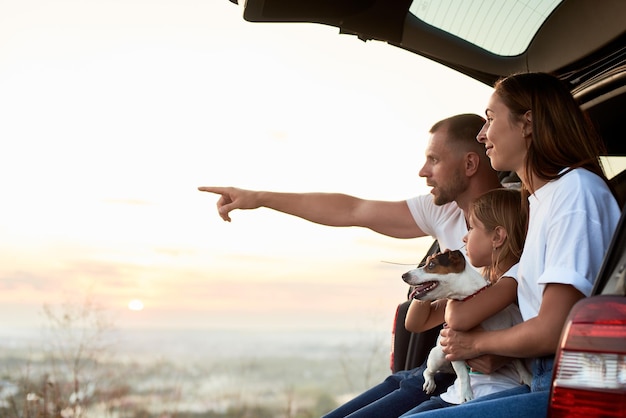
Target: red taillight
(590,366)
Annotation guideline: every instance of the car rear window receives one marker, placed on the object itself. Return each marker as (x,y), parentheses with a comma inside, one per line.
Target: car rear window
(502,27)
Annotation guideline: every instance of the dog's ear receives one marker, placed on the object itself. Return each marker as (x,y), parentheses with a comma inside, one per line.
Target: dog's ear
(444,258)
(456,258)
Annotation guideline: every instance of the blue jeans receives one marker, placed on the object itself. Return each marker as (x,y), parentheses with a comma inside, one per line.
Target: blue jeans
(394,396)
(434,402)
(505,404)
(437,403)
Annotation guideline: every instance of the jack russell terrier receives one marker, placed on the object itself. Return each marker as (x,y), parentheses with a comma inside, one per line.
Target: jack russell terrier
(448,275)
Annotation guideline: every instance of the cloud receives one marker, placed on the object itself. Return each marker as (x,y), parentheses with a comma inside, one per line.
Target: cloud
(22,280)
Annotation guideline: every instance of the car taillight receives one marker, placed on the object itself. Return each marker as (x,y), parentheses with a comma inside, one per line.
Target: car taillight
(590,365)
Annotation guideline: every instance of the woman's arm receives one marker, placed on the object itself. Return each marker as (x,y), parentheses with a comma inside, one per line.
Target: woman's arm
(538,336)
(465,315)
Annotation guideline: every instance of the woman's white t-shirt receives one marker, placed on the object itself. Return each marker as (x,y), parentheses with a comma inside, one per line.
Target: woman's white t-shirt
(571,223)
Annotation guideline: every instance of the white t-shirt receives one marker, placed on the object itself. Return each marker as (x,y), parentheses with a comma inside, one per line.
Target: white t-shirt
(446,223)
(507,376)
(572,220)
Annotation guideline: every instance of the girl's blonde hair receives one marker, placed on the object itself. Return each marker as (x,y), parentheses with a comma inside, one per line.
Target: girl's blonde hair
(502,207)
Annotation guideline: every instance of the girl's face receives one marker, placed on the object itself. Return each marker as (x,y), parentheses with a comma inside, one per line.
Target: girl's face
(504,140)
(479,243)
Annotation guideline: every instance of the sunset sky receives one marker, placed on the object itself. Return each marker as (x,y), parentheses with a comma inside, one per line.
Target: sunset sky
(113,112)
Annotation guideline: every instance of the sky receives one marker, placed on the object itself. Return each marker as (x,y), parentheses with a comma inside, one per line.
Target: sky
(113,112)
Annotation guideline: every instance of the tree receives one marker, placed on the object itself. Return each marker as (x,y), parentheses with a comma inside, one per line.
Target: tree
(76,345)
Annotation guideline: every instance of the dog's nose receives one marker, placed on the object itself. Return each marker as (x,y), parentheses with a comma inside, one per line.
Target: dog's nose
(405,276)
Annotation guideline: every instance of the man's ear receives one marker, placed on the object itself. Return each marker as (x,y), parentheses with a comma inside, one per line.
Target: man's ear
(472,160)
(499,236)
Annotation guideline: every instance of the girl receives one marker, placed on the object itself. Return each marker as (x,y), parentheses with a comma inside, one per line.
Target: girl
(497,226)
(535,127)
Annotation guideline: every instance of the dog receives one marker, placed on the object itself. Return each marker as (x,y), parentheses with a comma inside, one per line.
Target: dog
(448,276)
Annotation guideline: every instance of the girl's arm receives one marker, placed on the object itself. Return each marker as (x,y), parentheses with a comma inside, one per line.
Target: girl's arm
(424,315)
(536,337)
(465,315)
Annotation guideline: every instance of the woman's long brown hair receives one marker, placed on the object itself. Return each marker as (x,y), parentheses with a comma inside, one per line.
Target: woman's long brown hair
(563,137)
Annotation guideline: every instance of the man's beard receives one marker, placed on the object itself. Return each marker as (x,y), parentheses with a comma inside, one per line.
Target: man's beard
(454,187)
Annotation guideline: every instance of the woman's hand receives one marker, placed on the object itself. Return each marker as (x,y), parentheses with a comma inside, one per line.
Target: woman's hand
(459,345)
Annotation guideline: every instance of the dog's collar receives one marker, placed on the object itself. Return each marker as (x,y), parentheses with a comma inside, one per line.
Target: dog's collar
(474,294)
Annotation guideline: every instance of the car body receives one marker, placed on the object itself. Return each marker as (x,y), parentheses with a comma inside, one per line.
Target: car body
(583,42)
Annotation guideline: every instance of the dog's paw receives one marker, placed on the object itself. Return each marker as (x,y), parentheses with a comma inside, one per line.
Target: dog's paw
(429,386)
(467,395)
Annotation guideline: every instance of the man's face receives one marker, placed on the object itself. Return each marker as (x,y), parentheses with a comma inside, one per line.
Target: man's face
(444,169)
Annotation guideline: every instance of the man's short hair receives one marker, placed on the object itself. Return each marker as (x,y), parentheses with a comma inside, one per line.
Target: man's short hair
(461,128)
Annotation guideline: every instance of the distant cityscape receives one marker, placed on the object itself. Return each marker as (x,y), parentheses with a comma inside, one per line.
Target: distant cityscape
(187,373)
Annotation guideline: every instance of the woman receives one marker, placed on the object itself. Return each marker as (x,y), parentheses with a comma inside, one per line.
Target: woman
(535,127)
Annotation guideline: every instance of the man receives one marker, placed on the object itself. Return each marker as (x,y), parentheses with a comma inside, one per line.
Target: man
(458,171)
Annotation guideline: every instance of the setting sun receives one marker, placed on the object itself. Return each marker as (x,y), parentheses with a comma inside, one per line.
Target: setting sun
(135,305)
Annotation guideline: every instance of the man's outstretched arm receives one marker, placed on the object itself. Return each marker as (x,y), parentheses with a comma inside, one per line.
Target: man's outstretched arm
(333,209)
